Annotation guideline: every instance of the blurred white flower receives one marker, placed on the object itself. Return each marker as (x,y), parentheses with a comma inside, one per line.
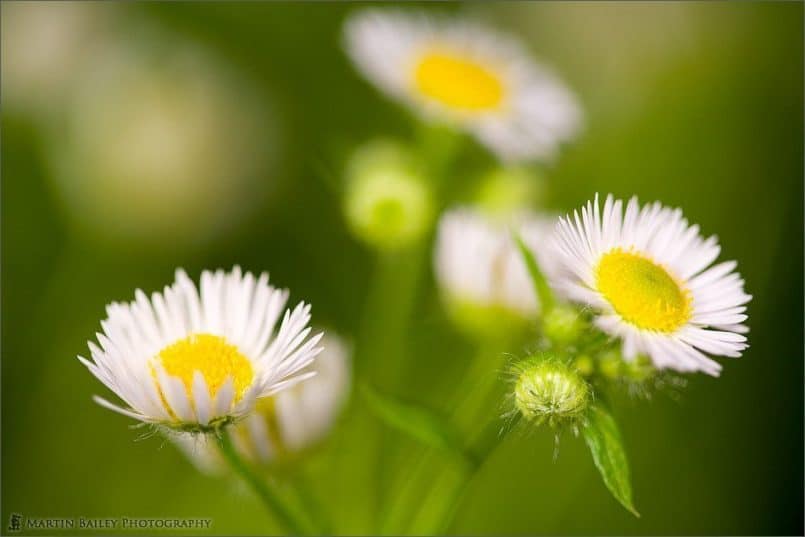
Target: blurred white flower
(467,75)
(298,418)
(45,47)
(646,271)
(158,145)
(480,269)
(201,450)
(195,362)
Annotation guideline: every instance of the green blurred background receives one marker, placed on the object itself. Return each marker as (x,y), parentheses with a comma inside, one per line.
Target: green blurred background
(699,105)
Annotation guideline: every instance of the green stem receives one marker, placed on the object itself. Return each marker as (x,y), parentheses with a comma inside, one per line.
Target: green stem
(380,354)
(438,147)
(273,501)
(305,494)
(473,403)
(492,437)
(469,405)
(388,312)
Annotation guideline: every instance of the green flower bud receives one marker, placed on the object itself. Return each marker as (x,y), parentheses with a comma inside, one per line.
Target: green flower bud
(638,377)
(550,391)
(640,370)
(611,364)
(637,371)
(563,324)
(388,203)
(506,190)
(585,365)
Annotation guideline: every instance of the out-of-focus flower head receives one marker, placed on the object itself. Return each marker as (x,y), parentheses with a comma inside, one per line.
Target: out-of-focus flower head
(45,50)
(388,202)
(481,272)
(159,144)
(464,74)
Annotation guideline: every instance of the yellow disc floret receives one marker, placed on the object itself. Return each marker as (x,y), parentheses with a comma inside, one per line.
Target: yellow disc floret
(642,292)
(458,82)
(215,358)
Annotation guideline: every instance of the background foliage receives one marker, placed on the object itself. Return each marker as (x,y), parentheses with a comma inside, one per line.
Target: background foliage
(696,104)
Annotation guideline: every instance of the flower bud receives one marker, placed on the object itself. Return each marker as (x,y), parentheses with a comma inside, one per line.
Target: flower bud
(509,190)
(638,377)
(547,390)
(388,203)
(637,371)
(611,364)
(585,365)
(563,324)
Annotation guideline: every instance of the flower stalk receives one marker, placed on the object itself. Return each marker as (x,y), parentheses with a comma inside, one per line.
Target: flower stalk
(273,502)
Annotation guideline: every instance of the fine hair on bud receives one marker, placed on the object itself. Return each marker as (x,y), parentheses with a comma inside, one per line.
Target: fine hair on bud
(547,390)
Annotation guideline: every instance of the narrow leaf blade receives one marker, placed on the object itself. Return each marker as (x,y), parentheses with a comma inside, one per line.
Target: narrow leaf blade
(541,287)
(603,438)
(416,421)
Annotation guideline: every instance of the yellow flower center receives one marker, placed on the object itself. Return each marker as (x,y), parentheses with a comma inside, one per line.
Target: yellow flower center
(458,82)
(211,355)
(642,292)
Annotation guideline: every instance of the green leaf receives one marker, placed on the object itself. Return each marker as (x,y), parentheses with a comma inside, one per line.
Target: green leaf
(602,437)
(541,287)
(418,422)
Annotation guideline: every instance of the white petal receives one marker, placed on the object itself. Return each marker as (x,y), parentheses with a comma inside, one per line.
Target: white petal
(201,399)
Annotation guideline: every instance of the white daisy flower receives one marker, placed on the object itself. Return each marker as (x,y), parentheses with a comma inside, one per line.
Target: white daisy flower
(649,274)
(478,262)
(287,423)
(467,75)
(196,361)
